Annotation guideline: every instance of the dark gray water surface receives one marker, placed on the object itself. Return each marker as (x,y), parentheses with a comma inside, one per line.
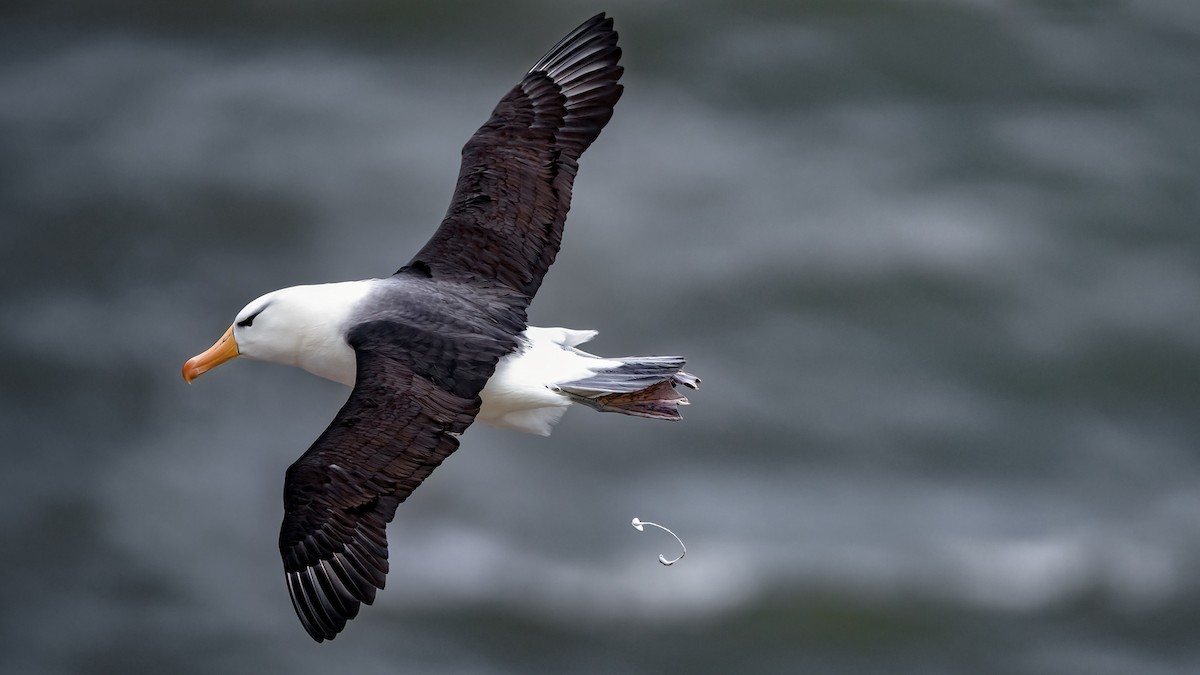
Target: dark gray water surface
(938,264)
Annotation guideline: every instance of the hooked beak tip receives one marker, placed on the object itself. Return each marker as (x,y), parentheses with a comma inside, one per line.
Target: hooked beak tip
(190,371)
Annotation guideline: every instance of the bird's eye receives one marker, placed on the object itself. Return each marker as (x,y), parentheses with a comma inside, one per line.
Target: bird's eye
(249,321)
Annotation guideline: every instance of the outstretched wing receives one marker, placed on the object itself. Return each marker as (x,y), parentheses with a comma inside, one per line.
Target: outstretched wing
(394,430)
(506,218)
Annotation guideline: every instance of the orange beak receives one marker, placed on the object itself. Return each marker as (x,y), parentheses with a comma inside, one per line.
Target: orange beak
(226,348)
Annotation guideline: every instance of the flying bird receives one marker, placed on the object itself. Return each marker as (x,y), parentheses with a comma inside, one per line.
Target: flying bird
(444,341)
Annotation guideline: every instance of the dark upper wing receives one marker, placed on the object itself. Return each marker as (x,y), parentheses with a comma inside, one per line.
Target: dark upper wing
(514,187)
(394,430)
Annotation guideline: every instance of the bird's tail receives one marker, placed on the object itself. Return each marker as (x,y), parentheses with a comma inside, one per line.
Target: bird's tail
(643,386)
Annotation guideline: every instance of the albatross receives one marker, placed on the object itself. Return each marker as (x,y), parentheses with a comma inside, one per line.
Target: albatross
(444,341)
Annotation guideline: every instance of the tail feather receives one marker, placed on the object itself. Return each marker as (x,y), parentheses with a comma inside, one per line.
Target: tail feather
(643,386)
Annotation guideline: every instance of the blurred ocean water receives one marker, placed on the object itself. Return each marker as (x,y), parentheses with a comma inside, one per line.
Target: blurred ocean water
(938,264)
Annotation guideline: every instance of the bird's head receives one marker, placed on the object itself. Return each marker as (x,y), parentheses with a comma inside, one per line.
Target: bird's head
(268,329)
(297,326)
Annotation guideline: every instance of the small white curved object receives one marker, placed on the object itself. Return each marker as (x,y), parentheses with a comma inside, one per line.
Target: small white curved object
(637,525)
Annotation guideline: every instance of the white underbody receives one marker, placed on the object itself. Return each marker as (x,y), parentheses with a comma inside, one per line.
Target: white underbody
(521,394)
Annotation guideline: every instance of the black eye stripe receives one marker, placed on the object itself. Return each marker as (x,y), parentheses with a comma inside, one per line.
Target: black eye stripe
(249,321)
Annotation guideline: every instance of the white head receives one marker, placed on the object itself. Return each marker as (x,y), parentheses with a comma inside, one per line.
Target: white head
(300,326)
